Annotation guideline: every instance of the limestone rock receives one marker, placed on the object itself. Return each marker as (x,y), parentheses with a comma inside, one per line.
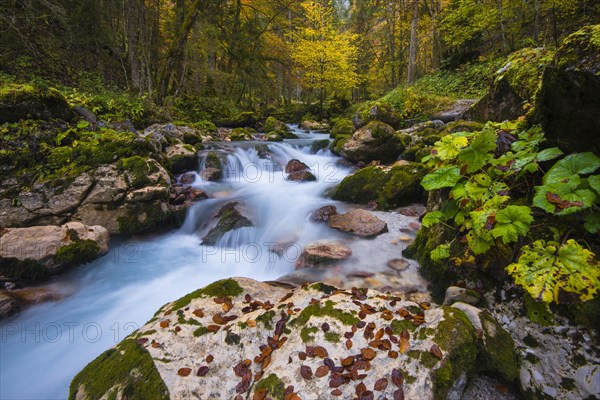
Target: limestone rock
(8,305)
(375,141)
(457,294)
(256,348)
(322,253)
(314,126)
(322,214)
(182,158)
(230,218)
(358,222)
(298,171)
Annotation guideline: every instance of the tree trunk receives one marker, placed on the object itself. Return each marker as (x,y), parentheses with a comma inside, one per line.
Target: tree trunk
(133,38)
(412,52)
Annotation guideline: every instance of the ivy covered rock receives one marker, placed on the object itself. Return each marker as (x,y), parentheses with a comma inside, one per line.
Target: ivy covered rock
(375,141)
(241,134)
(24,101)
(568,103)
(513,88)
(34,253)
(239,337)
(392,187)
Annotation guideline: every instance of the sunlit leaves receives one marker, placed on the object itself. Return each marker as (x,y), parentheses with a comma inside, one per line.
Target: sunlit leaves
(477,155)
(441,252)
(441,178)
(449,147)
(554,272)
(512,222)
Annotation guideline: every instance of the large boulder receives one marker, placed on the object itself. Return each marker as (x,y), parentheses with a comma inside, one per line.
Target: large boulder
(29,254)
(298,171)
(322,253)
(377,112)
(392,187)
(569,102)
(211,167)
(376,141)
(19,102)
(310,125)
(358,222)
(238,338)
(240,120)
(513,87)
(182,158)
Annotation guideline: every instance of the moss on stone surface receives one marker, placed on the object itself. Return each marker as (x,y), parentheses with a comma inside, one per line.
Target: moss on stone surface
(337,144)
(332,337)
(266,319)
(272,386)
(24,101)
(400,325)
(456,336)
(499,353)
(222,288)
(328,310)
(342,126)
(22,270)
(232,338)
(136,170)
(128,367)
(230,219)
(322,287)
(201,331)
(143,217)
(399,186)
(306,334)
(77,253)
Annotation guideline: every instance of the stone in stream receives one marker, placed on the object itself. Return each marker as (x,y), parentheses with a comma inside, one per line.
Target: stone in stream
(298,171)
(322,253)
(182,158)
(457,294)
(34,253)
(274,337)
(358,222)
(376,141)
(230,218)
(8,305)
(212,167)
(398,264)
(322,214)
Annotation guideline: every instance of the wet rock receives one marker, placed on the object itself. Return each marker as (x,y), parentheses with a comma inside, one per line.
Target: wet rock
(8,305)
(319,145)
(212,166)
(322,214)
(272,124)
(568,103)
(389,188)
(86,114)
(109,187)
(182,158)
(375,141)
(24,101)
(358,222)
(187,179)
(295,165)
(322,253)
(277,331)
(457,294)
(230,218)
(314,126)
(398,264)
(298,171)
(455,112)
(29,254)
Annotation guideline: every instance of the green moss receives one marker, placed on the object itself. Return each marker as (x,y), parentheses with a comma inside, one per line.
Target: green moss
(397,187)
(129,367)
(499,355)
(400,325)
(266,319)
(461,126)
(241,134)
(232,338)
(532,358)
(201,331)
(306,334)
(23,101)
(342,126)
(322,287)
(524,70)
(229,219)
(137,171)
(328,310)
(22,270)
(318,145)
(332,337)
(274,387)
(77,253)
(456,336)
(222,288)
(568,383)
(530,341)
(143,217)
(337,145)
(428,360)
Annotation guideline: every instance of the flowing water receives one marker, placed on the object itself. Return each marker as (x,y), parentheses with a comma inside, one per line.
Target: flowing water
(43,348)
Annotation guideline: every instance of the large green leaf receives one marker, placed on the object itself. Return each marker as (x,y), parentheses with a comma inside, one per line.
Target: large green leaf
(512,222)
(432,218)
(594,182)
(592,223)
(549,271)
(441,178)
(477,154)
(450,146)
(572,165)
(441,252)
(548,154)
(563,198)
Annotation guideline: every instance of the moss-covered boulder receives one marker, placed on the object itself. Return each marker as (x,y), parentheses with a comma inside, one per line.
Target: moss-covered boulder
(392,187)
(513,87)
(256,340)
(31,254)
(24,101)
(229,218)
(272,124)
(245,119)
(241,134)
(378,111)
(182,158)
(319,145)
(342,126)
(311,125)
(569,102)
(375,141)
(211,166)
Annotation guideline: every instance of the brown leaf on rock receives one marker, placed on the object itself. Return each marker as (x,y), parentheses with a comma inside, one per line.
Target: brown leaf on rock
(360,389)
(436,351)
(260,394)
(209,358)
(306,372)
(346,362)
(213,328)
(321,352)
(141,341)
(403,312)
(348,344)
(381,384)
(367,395)
(164,324)
(399,394)
(397,378)
(368,353)
(392,354)
(325,327)
(202,371)
(302,355)
(198,312)
(336,380)
(322,371)
(184,371)
(404,341)
(336,392)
